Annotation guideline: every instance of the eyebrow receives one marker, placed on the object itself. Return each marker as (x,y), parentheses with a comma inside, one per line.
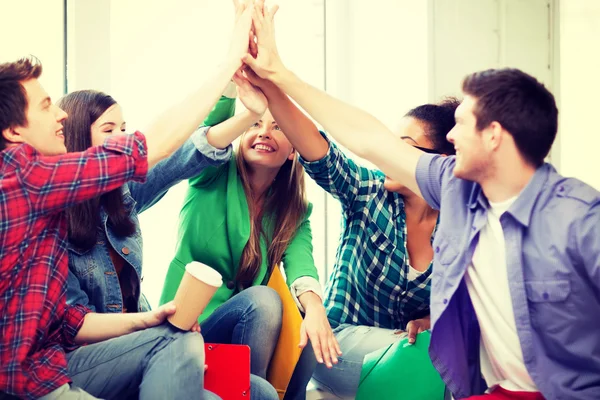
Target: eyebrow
(409,138)
(111,123)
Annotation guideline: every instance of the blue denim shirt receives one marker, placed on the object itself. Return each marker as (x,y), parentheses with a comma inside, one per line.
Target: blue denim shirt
(552,234)
(93,280)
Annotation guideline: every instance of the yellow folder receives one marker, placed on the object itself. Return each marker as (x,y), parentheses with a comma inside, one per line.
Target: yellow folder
(287,351)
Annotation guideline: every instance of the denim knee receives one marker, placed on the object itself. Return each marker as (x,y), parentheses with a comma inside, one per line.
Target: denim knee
(266,303)
(261,389)
(189,350)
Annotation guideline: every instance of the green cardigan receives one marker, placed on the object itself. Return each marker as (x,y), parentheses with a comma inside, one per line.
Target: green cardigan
(214,227)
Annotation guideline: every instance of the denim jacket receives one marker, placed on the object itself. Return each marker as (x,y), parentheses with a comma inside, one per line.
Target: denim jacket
(93,280)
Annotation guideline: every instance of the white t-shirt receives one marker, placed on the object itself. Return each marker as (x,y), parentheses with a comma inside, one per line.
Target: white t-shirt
(487,281)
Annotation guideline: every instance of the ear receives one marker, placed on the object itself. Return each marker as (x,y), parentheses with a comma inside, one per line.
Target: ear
(292,155)
(11,135)
(495,131)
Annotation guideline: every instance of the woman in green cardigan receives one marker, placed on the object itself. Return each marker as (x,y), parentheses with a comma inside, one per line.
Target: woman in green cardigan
(242,219)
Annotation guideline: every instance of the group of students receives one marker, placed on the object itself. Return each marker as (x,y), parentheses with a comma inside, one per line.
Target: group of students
(465,230)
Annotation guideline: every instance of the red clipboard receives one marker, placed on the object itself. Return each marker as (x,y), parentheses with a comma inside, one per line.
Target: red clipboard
(228,372)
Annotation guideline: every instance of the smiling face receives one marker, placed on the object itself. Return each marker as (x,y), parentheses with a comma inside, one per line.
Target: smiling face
(264,144)
(44,129)
(473,155)
(111,122)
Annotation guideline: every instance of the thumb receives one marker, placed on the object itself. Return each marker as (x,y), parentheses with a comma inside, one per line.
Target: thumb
(250,61)
(167,309)
(251,76)
(303,337)
(412,329)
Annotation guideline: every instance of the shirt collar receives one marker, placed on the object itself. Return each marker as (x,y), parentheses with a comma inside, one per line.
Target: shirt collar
(522,208)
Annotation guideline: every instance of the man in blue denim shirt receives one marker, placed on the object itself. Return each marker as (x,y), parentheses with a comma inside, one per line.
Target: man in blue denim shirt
(516,286)
(523,318)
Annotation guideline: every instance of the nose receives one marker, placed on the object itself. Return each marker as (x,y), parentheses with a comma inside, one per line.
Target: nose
(60,114)
(264,133)
(450,135)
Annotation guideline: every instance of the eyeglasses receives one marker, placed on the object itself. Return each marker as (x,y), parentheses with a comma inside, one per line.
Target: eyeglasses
(426,150)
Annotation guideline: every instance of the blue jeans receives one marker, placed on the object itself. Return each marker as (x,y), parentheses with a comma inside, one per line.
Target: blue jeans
(253,318)
(158,363)
(305,367)
(355,342)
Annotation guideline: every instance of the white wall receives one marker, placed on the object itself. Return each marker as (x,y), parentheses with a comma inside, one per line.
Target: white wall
(35,27)
(579,89)
(88,30)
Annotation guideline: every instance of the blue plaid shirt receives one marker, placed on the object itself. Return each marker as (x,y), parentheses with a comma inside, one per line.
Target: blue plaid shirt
(369,284)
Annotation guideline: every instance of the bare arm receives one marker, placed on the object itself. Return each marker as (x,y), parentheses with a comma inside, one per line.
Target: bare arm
(356,129)
(98,327)
(254,100)
(222,135)
(298,128)
(177,124)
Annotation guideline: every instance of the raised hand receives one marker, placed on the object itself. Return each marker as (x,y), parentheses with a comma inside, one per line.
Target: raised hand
(266,62)
(251,96)
(241,31)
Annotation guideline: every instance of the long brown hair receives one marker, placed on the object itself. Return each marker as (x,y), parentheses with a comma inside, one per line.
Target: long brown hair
(84,108)
(285,203)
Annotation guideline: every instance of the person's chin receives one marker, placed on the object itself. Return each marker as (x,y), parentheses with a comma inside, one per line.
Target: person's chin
(60,151)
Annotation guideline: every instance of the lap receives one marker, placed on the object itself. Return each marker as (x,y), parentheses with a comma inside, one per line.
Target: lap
(115,367)
(356,341)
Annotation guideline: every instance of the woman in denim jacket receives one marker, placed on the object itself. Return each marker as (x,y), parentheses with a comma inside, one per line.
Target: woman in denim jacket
(105,243)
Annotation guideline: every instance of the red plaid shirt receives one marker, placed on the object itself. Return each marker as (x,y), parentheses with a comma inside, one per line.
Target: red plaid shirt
(36,325)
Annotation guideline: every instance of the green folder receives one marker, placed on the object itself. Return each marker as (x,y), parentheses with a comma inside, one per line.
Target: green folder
(401,371)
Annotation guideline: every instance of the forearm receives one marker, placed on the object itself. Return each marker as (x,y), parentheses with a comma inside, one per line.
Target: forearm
(98,327)
(176,125)
(298,128)
(309,301)
(223,134)
(355,129)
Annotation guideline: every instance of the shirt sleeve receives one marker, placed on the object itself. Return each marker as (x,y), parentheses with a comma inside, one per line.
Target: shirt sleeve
(72,322)
(433,171)
(186,162)
(305,284)
(340,176)
(57,182)
(223,110)
(298,258)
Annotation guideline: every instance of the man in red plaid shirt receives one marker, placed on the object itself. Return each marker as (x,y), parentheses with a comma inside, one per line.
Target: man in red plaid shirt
(38,180)
(39,333)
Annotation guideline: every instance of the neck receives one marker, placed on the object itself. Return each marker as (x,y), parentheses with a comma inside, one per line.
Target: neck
(417,209)
(507,181)
(261,180)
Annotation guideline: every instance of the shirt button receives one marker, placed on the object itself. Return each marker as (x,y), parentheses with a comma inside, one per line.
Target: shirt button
(437,249)
(545,296)
(230,285)
(445,301)
(125,250)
